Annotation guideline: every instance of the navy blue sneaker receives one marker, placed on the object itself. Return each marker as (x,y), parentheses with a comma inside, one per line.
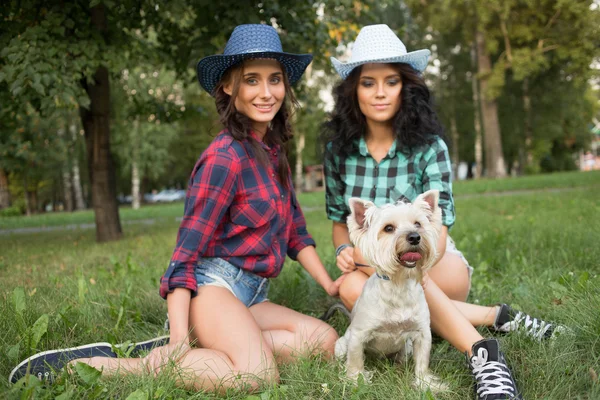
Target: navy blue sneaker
(493,379)
(510,320)
(46,365)
(141,348)
(336,307)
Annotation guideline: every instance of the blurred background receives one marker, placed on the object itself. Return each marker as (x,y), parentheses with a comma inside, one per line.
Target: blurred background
(100,107)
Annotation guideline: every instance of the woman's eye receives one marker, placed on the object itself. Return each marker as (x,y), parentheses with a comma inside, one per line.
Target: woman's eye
(275,81)
(393,82)
(251,81)
(366,84)
(417,225)
(389,228)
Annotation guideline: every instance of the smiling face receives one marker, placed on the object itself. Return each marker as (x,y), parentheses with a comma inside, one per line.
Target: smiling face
(378,92)
(261,92)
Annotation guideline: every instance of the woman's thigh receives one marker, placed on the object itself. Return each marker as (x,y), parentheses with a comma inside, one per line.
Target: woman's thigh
(291,334)
(219,321)
(451,274)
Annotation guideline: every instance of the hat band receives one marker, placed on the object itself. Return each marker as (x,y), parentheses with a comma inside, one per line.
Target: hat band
(250,51)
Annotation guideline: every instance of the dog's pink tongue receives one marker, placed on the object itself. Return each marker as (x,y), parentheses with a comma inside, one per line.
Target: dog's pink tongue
(411,256)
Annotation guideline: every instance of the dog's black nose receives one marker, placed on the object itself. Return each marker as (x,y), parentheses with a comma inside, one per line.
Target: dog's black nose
(413,238)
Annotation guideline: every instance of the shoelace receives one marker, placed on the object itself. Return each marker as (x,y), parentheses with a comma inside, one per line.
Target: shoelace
(492,377)
(534,327)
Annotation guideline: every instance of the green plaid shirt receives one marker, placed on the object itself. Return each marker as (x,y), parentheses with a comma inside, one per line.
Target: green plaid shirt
(396,177)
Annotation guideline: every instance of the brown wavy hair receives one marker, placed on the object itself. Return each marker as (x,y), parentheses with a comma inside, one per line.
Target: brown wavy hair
(239,125)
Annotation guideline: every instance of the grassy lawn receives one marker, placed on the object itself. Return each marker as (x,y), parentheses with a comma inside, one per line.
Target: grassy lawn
(564,180)
(537,251)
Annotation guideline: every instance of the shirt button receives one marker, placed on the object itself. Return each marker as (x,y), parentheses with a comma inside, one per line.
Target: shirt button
(272,175)
(282,196)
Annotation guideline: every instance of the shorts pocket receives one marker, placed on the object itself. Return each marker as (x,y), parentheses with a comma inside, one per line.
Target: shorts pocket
(253,214)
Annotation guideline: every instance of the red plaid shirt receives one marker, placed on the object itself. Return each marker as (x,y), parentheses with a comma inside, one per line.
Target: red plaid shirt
(236,209)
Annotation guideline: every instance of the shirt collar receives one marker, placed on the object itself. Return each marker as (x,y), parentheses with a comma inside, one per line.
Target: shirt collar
(364,151)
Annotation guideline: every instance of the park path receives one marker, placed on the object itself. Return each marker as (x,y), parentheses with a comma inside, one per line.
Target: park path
(152,221)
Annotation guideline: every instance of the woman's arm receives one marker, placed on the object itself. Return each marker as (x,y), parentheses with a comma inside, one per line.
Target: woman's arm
(178,304)
(310,261)
(350,257)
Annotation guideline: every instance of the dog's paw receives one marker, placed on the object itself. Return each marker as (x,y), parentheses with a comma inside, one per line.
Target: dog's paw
(341,348)
(432,382)
(367,376)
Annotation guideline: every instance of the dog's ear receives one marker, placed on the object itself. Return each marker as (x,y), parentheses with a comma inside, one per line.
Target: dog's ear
(428,202)
(358,209)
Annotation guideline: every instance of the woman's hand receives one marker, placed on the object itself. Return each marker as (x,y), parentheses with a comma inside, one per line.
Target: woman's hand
(161,356)
(345,261)
(334,289)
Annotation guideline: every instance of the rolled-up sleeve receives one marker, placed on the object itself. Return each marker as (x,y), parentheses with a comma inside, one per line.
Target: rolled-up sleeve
(211,191)
(336,207)
(438,175)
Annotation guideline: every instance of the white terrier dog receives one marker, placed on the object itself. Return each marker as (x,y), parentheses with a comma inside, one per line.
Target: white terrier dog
(399,241)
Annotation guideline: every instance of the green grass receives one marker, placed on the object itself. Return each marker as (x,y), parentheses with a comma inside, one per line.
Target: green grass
(558,180)
(537,251)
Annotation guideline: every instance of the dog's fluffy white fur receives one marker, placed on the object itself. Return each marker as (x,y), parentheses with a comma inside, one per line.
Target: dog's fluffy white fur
(390,313)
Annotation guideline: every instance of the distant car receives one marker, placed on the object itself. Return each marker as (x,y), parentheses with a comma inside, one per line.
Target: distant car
(168,195)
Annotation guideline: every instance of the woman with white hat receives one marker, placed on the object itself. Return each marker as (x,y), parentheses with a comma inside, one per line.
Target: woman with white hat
(241,218)
(383,142)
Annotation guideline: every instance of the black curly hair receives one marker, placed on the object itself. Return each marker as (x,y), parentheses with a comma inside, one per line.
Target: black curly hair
(415,124)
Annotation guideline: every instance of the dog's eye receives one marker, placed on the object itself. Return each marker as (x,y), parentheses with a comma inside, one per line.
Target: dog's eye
(389,228)
(417,225)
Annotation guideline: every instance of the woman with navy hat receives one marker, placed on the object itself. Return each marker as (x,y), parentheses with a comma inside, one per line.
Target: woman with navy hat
(241,219)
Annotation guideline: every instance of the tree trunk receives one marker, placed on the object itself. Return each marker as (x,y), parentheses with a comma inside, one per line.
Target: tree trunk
(100,164)
(135,170)
(67,188)
(26,197)
(477,172)
(528,158)
(494,158)
(4,193)
(77,190)
(455,157)
(299,149)
(97,137)
(135,185)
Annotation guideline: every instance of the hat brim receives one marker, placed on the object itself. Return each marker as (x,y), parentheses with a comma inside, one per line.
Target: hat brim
(416,59)
(210,69)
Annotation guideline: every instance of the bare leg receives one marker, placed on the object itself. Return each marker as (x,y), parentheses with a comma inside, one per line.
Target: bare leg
(291,334)
(447,321)
(233,354)
(452,277)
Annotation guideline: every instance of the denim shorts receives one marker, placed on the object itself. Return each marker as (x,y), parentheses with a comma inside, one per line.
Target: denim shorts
(249,288)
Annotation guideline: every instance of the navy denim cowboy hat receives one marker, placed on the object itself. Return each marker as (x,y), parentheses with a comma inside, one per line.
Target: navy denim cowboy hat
(247,42)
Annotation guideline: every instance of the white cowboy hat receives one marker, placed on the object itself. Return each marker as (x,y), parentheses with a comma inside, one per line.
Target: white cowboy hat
(379,44)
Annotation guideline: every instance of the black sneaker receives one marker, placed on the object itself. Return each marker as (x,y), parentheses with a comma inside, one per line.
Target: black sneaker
(47,364)
(329,313)
(509,320)
(140,348)
(493,379)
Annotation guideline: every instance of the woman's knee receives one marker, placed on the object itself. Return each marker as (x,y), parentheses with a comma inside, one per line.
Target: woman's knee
(451,274)
(352,287)
(257,373)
